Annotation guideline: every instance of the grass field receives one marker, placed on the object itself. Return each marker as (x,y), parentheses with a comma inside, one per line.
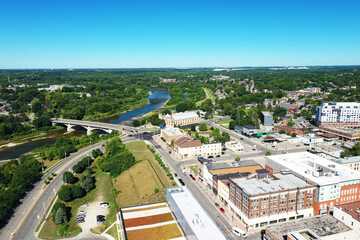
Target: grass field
(113,232)
(194,169)
(225,121)
(137,184)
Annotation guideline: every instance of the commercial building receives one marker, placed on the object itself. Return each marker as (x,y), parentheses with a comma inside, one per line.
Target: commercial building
(338,114)
(207,170)
(180,119)
(170,134)
(262,198)
(350,162)
(323,227)
(343,133)
(267,118)
(335,184)
(249,130)
(349,214)
(287,129)
(192,217)
(186,147)
(234,146)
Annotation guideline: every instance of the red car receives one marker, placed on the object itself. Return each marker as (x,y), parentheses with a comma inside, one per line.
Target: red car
(193,178)
(222,210)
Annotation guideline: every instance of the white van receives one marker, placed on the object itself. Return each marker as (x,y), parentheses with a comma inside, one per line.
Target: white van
(239,232)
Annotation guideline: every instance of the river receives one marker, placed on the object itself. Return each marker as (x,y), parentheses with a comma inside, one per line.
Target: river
(157,99)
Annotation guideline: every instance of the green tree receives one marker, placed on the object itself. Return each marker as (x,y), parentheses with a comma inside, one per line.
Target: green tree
(193,128)
(282,131)
(77,191)
(96,153)
(136,123)
(293,135)
(61,216)
(268,153)
(65,194)
(68,177)
(237,159)
(203,127)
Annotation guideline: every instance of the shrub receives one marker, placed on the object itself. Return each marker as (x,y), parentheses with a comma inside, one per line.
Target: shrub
(156,190)
(77,191)
(65,194)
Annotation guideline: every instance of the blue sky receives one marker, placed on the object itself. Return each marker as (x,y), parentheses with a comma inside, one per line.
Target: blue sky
(174,33)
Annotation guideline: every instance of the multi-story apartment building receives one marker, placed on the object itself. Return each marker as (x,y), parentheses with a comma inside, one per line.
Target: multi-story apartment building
(335,184)
(338,114)
(263,198)
(350,162)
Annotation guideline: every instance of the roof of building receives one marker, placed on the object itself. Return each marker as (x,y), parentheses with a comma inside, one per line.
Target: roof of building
(285,128)
(268,114)
(172,131)
(284,105)
(316,224)
(328,135)
(249,127)
(202,225)
(352,209)
(214,166)
(184,115)
(185,142)
(204,160)
(245,163)
(348,160)
(273,183)
(231,175)
(315,168)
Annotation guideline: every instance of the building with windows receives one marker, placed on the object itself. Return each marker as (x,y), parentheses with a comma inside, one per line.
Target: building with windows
(180,119)
(335,183)
(350,162)
(170,134)
(249,130)
(186,147)
(349,214)
(192,217)
(262,198)
(267,118)
(338,114)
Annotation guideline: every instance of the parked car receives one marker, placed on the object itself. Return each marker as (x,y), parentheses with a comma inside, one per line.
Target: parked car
(81,216)
(239,232)
(193,178)
(175,174)
(210,156)
(222,210)
(85,205)
(217,205)
(191,175)
(104,205)
(100,219)
(181,182)
(217,155)
(80,220)
(82,212)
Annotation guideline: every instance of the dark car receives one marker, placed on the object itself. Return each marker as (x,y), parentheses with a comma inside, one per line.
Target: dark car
(80,220)
(217,205)
(191,175)
(175,174)
(217,155)
(181,182)
(210,156)
(100,219)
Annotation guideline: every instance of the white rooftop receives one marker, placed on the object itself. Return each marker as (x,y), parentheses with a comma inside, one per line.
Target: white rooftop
(305,164)
(184,115)
(199,221)
(254,186)
(172,131)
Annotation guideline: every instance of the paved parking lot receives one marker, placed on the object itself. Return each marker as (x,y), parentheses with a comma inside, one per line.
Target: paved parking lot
(92,211)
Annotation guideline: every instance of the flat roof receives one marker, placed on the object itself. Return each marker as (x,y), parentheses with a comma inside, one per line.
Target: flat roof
(348,160)
(184,115)
(316,224)
(305,164)
(255,186)
(172,131)
(197,218)
(268,114)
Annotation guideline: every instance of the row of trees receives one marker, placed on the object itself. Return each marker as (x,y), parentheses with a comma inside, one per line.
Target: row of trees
(16,178)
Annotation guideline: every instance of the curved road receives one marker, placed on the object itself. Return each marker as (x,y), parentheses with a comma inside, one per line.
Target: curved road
(28,214)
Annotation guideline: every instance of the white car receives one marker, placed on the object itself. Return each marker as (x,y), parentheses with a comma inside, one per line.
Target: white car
(237,231)
(104,205)
(84,205)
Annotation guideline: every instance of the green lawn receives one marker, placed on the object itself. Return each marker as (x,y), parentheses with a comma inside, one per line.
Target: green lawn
(225,121)
(194,169)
